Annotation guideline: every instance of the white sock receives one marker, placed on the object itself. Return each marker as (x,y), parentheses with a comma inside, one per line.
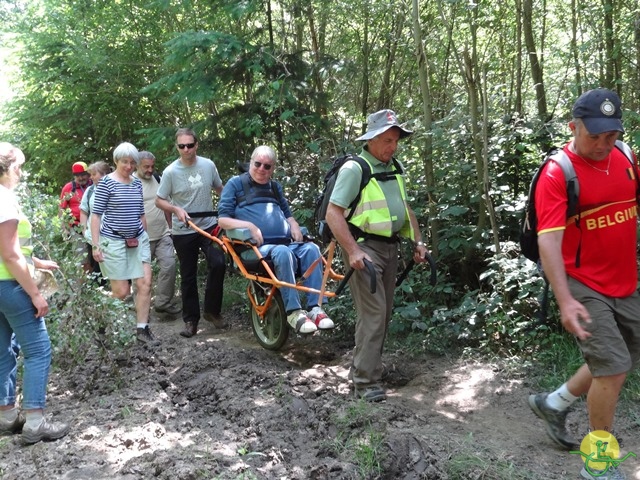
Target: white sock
(561,399)
(9,415)
(34,418)
(142,325)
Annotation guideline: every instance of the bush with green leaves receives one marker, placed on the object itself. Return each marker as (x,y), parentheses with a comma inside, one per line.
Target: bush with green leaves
(82,314)
(503,315)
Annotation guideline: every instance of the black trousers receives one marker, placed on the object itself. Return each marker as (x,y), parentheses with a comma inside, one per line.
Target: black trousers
(188,248)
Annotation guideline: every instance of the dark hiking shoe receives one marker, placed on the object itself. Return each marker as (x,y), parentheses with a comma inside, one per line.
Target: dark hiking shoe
(190,329)
(370,393)
(170,309)
(46,431)
(144,335)
(9,428)
(216,320)
(554,420)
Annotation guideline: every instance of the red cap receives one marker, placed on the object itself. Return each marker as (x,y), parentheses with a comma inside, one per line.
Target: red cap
(78,167)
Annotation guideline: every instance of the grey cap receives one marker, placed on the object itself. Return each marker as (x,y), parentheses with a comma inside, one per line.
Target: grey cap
(380,122)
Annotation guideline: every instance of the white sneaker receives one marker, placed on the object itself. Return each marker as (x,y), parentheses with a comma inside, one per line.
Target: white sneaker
(300,322)
(320,319)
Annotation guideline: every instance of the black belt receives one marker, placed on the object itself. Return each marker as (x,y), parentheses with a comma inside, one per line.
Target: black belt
(359,234)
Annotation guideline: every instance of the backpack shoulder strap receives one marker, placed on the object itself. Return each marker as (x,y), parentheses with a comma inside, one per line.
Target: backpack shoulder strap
(249,197)
(571,179)
(244,179)
(364,179)
(626,150)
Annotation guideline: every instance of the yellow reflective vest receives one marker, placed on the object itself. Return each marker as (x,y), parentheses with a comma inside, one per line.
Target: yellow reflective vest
(26,246)
(372,214)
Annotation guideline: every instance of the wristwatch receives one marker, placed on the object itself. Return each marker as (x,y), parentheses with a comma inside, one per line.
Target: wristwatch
(421,244)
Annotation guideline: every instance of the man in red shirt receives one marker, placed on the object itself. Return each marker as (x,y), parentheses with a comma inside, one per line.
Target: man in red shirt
(71,194)
(590,262)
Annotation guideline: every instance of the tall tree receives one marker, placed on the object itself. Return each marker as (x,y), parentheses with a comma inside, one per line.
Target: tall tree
(535,60)
(423,73)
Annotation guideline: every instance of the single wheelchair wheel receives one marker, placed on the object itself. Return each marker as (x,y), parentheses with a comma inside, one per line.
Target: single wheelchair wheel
(272,331)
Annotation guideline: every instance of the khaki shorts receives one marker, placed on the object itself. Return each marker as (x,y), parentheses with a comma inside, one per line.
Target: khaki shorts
(122,263)
(614,344)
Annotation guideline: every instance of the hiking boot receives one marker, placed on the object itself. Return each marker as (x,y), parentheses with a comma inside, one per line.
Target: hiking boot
(190,329)
(170,309)
(369,393)
(216,319)
(9,428)
(144,335)
(320,319)
(300,322)
(612,473)
(555,421)
(45,431)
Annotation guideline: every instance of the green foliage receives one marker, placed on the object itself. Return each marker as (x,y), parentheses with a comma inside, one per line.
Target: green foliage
(467,462)
(80,309)
(359,439)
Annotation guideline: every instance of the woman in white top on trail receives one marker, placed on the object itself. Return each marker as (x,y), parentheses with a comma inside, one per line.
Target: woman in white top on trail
(120,240)
(22,311)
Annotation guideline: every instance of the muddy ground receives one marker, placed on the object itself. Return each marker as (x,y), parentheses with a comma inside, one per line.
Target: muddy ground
(218,406)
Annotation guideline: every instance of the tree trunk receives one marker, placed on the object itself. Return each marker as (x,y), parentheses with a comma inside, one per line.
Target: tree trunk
(385,97)
(425,90)
(317,79)
(485,164)
(611,72)
(471,82)
(574,46)
(535,61)
(518,76)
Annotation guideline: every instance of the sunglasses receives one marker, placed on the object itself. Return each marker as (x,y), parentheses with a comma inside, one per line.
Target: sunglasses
(266,166)
(182,146)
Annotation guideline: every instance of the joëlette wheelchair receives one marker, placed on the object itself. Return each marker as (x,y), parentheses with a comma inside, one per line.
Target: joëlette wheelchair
(268,315)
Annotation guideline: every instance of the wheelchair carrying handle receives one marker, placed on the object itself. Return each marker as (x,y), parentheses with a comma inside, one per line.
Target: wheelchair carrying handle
(432,265)
(372,278)
(213,213)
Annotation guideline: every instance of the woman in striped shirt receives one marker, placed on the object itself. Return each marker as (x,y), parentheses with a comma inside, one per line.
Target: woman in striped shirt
(120,240)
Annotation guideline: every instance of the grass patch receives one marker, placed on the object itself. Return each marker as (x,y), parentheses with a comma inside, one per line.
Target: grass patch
(473,460)
(358,440)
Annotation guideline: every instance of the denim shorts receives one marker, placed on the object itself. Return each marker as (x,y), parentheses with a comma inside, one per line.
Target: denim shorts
(614,344)
(122,263)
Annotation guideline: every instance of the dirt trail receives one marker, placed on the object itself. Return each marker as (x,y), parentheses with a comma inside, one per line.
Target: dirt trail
(220,406)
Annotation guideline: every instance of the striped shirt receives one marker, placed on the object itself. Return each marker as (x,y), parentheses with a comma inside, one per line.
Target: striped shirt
(121,206)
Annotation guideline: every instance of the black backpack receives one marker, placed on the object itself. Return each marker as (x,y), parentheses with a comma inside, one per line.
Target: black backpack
(322,201)
(528,230)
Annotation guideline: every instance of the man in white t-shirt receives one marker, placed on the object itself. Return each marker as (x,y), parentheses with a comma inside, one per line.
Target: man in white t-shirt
(186,190)
(159,231)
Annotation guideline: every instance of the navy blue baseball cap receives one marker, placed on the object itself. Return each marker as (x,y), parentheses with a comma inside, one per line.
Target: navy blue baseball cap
(599,110)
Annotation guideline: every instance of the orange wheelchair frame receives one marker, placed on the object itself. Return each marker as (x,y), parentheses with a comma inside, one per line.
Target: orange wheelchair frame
(268,316)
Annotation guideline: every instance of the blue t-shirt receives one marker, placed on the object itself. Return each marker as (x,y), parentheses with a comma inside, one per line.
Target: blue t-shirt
(265,212)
